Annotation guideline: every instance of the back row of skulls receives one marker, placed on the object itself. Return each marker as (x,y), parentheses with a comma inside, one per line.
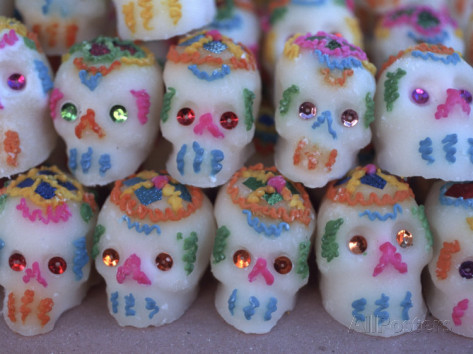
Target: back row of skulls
(153,240)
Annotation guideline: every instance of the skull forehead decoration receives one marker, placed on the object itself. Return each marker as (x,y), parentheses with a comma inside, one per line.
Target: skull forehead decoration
(383,6)
(449,209)
(161,19)
(324,87)
(26,133)
(105,105)
(152,244)
(288,17)
(413,24)
(213,94)
(260,252)
(47,224)
(372,242)
(423,114)
(61,23)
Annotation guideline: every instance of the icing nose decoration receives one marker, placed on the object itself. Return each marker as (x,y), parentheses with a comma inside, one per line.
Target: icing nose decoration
(454,97)
(389,256)
(87,121)
(205,122)
(34,272)
(260,268)
(132,267)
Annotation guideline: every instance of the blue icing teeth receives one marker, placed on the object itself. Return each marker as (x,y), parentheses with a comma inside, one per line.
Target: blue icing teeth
(231,301)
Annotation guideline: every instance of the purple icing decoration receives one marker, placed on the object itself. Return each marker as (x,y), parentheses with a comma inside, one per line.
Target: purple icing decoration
(466,95)
(420,96)
(99,49)
(466,270)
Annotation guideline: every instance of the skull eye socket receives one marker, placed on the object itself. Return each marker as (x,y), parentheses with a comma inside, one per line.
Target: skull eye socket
(349,118)
(466,95)
(357,244)
(17,262)
(307,110)
(110,257)
(118,114)
(241,259)
(466,270)
(229,120)
(420,96)
(404,238)
(57,265)
(69,112)
(164,261)
(282,265)
(16,81)
(185,116)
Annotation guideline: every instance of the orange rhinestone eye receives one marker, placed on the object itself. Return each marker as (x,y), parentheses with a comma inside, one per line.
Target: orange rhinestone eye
(17,262)
(404,238)
(164,261)
(110,257)
(282,265)
(57,265)
(357,244)
(241,259)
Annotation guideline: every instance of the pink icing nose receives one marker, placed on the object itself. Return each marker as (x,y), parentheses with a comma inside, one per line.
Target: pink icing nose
(454,97)
(389,256)
(34,273)
(206,123)
(132,267)
(260,268)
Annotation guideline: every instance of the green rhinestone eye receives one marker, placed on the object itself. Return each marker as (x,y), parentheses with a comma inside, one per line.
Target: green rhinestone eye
(69,112)
(118,114)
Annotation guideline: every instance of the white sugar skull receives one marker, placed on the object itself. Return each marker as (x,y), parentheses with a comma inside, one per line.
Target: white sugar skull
(409,25)
(290,17)
(161,19)
(260,252)
(105,105)
(372,243)
(27,136)
(324,90)
(213,94)
(423,114)
(152,244)
(238,20)
(47,224)
(449,209)
(61,23)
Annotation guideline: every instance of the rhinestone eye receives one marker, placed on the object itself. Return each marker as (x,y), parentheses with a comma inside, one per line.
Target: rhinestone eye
(110,257)
(404,238)
(282,265)
(307,110)
(241,259)
(466,270)
(164,261)
(17,262)
(349,118)
(466,95)
(57,265)
(118,114)
(16,81)
(185,116)
(357,244)
(69,112)
(229,120)
(420,96)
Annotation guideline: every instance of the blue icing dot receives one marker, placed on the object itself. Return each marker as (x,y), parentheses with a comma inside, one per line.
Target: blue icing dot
(148,195)
(45,190)
(373,181)
(68,185)
(132,181)
(28,182)
(216,47)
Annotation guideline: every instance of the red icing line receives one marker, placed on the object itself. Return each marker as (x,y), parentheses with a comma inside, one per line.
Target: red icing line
(389,256)
(260,268)
(205,122)
(453,98)
(459,311)
(33,272)
(142,103)
(60,213)
(132,267)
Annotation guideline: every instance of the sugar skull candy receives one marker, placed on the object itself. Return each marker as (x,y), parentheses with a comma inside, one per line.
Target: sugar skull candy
(238,20)
(324,88)
(382,6)
(105,105)
(47,225)
(152,244)
(423,114)
(372,243)
(61,23)
(27,136)
(213,94)
(410,25)
(449,209)
(290,17)
(158,19)
(260,252)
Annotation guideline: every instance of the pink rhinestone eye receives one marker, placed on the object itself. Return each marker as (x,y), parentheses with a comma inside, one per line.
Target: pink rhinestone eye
(16,81)
(466,95)
(307,110)
(420,96)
